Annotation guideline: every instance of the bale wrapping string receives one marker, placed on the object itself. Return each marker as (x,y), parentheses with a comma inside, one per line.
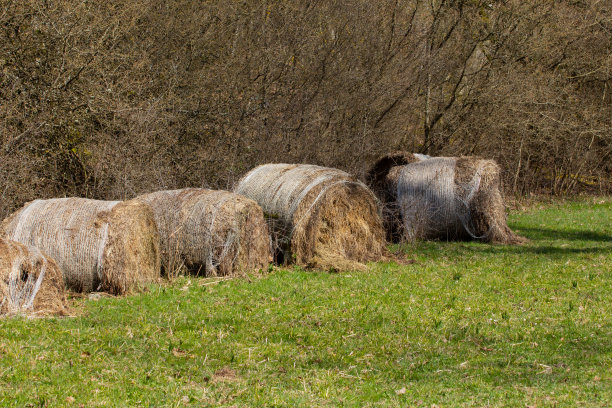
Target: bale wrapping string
(427,198)
(211,232)
(30,282)
(319,217)
(100,245)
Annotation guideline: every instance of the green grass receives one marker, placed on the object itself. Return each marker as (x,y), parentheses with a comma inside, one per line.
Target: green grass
(468,324)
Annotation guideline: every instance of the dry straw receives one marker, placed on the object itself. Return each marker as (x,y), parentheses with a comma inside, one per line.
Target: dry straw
(319,217)
(442,198)
(99,245)
(210,232)
(30,282)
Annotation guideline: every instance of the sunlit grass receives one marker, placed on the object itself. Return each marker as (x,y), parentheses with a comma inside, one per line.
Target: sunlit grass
(468,324)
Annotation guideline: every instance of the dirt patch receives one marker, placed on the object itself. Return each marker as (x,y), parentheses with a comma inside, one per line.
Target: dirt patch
(225,374)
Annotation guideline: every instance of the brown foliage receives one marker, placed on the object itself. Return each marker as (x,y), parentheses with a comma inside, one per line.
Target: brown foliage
(111,99)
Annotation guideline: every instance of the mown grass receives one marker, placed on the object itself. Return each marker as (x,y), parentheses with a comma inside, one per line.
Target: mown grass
(468,324)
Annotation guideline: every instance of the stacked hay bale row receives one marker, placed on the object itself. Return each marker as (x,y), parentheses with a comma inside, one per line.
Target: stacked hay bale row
(319,217)
(114,246)
(314,216)
(442,198)
(211,233)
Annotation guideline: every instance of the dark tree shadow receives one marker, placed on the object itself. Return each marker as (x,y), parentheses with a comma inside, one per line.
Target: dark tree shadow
(546,250)
(573,235)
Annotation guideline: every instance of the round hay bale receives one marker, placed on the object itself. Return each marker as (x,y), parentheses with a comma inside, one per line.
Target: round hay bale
(30,282)
(319,217)
(450,198)
(107,246)
(211,232)
(382,179)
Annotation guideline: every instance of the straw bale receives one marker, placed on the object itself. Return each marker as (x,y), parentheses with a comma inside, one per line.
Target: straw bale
(99,245)
(382,179)
(30,282)
(210,232)
(443,198)
(319,217)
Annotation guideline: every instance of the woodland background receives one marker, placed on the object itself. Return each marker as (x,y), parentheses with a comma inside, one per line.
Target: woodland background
(109,99)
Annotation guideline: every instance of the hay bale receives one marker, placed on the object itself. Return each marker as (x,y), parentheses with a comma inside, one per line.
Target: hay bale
(447,198)
(211,232)
(99,245)
(319,217)
(30,282)
(382,179)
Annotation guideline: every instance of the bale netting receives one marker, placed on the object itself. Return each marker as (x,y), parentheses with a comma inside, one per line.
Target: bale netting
(450,198)
(382,179)
(210,232)
(31,283)
(319,217)
(109,246)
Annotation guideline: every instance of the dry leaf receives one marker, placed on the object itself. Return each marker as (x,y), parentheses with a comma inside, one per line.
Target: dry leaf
(179,353)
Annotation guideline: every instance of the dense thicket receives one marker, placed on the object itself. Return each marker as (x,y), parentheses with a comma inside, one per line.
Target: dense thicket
(111,99)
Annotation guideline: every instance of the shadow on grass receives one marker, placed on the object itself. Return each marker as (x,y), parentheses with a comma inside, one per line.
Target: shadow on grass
(544,250)
(538,245)
(573,235)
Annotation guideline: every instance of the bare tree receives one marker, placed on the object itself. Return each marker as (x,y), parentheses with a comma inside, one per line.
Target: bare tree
(111,99)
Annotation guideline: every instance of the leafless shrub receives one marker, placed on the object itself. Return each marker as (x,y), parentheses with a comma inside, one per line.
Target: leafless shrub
(112,99)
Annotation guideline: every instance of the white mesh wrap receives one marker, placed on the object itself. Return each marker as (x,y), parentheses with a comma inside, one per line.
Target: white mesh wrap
(280,188)
(188,223)
(66,229)
(421,156)
(430,201)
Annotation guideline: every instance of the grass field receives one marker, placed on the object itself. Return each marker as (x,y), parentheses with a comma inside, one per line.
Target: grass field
(467,324)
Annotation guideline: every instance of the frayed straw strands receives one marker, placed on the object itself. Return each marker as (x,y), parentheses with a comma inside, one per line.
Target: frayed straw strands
(442,198)
(30,282)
